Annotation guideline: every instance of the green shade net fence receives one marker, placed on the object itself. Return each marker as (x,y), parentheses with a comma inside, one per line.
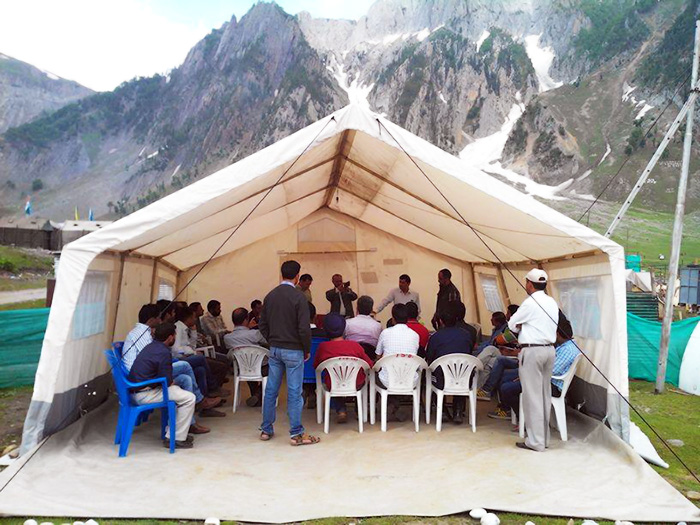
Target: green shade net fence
(20,345)
(643,340)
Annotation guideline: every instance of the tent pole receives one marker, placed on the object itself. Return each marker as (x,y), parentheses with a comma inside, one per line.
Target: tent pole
(154,276)
(122,260)
(677,227)
(475,297)
(502,283)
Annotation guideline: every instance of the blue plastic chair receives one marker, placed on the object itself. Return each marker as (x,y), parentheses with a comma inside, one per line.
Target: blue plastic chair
(118,347)
(130,412)
(309,370)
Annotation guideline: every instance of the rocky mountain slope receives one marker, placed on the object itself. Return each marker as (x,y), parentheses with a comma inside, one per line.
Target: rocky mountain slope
(26,92)
(529,90)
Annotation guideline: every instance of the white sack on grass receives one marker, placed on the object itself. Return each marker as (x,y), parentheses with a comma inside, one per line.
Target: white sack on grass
(642,446)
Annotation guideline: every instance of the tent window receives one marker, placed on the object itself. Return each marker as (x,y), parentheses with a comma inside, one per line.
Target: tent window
(491,295)
(90,312)
(578,299)
(166,290)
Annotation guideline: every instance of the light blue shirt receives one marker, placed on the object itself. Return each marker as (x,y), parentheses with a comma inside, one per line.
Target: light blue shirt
(563,359)
(135,341)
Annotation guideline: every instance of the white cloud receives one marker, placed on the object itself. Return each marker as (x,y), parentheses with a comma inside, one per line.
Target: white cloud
(97,43)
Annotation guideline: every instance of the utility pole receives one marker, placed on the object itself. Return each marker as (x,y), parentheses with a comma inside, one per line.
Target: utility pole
(677,226)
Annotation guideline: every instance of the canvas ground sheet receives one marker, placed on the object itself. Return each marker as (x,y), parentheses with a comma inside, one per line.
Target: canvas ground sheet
(233,475)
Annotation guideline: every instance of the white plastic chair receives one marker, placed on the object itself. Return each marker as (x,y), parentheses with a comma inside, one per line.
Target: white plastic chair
(247,366)
(460,380)
(207,351)
(343,375)
(402,370)
(558,403)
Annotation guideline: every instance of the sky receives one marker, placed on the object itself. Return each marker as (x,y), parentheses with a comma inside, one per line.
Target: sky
(102,43)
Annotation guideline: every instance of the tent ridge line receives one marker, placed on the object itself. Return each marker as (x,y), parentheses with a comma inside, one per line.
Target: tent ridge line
(341,156)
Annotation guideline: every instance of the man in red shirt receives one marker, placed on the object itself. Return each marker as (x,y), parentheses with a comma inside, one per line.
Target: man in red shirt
(413,324)
(334,326)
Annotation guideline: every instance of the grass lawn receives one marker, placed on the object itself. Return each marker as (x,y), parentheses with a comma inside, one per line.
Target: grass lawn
(11,285)
(16,260)
(674,415)
(26,305)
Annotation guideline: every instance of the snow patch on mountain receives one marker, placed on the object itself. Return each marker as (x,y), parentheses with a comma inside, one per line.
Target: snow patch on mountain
(627,91)
(608,149)
(541,58)
(482,38)
(643,111)
(357,93)
(422,35)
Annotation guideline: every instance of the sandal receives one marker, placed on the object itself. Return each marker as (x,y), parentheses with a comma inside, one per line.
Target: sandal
(304,439)
(265,436)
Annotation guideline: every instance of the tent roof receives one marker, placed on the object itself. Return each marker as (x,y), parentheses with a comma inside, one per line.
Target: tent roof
(350,162)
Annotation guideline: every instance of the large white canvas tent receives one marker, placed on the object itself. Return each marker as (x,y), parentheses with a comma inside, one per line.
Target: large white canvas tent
(350,201)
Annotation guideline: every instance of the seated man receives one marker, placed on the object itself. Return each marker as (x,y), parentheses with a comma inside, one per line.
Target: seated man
(242,335)
(334,326)
(167,310)
(565,353)
(254,315)
(363,328)
(399,339)
(417,327)
(212,323)
(155,361)
(449,340)
(505,343)
(461,312)
(318,335)
(499,323)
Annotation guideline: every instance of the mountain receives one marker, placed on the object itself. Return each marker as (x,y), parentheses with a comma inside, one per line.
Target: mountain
(549,95)
(26,92)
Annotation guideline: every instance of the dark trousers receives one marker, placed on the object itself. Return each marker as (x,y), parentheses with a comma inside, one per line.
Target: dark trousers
(255,387)
(497,372)
(200,369)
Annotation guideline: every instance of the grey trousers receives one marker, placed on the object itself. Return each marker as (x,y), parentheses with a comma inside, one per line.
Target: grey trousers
(488,357)
(536,363)
(184,401)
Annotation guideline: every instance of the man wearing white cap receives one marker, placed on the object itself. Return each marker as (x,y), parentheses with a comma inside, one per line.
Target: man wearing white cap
(536,323)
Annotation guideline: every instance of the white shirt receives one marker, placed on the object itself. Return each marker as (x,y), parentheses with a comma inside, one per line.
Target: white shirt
(184,344)
(396,296)
(399,339)
(363,329)
(538,317)
(135,341)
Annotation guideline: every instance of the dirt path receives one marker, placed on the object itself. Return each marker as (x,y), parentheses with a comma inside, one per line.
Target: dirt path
(21,296)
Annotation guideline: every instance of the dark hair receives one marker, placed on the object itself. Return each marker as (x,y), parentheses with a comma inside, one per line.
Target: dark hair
(459,309)
(412,309)
(512,308)
(254,303)
(290,269)
(163,331)
(239,316)
(446,273)
(312,312)
(449,315)
(400,313)
(306,277)
(405,277)
(165,307)
(500,317)
(539,286)
(564,326)
(365,304)
(183,312)
(212,304)
(195,305)
(148,311)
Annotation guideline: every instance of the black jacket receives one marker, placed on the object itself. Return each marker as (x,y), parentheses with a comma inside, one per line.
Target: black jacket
(348,297)
(155,360)
(284,321)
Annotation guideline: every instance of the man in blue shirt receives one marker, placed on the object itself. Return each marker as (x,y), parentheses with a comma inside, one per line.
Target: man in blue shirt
(449,339)
(155,361)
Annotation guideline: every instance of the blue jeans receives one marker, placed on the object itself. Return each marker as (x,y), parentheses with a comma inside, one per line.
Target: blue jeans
(283,360)
(201,371)
(502,364)
(510,390)
(183,376)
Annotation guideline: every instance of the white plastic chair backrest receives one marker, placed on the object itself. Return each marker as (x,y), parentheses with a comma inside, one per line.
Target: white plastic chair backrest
(343,373)
(249,360)
(402,370)
(569,376)
(458,370)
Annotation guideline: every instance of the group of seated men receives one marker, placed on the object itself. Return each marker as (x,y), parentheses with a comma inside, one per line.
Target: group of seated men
(165,340)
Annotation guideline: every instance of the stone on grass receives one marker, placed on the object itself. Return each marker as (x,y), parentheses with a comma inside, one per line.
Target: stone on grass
(78,523)
(212,521)
(46,523)
(477,514)
(30,522)
(529,523)
(91,522)
(618,522)
(676,442)
(693,494)
(8,449)
(490,519)
(589,522)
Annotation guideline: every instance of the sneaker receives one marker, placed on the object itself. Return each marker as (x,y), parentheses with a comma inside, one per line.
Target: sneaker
(178,444)
(499,413)
(483,395)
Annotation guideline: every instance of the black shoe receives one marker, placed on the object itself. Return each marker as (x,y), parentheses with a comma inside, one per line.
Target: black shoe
(253,401)
(522,445)
(311,402)
(458,419)
(178,444)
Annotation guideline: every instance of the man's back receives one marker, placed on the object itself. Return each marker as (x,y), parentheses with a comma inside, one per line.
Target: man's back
(243,336)
(341,348)
(422,331)
(153,361)
(284,322)
(135,341)
(363,329)
(447,340)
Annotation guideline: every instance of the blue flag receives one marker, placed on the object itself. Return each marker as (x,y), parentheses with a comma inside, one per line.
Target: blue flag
(91,216)
(28,206)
